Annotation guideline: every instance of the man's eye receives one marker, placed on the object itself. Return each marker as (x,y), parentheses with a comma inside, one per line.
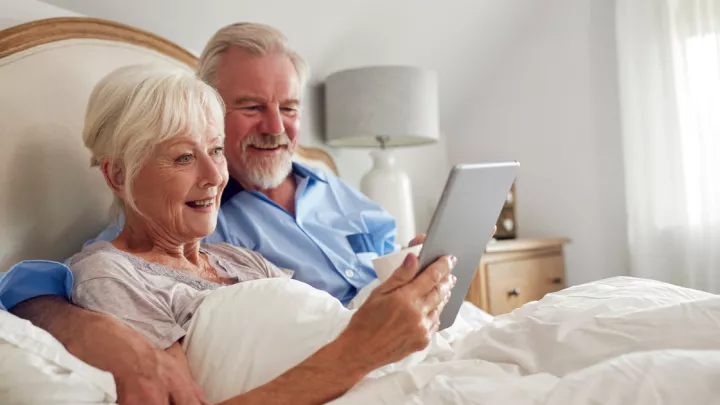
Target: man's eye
(186,158)
(219,151)
(252,108)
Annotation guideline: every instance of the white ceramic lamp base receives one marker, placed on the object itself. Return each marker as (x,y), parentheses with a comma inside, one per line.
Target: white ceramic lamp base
(389,186)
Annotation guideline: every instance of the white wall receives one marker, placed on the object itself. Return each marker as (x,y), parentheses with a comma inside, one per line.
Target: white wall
(519,79)
(15,12)
(551,102)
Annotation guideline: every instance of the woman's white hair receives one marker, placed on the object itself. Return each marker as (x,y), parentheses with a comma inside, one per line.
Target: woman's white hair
(134,108)
(256,39)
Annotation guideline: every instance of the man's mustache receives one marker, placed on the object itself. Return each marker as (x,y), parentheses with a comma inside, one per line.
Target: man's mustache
(266,141)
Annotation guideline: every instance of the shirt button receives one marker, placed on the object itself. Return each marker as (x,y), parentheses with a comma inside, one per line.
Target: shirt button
(349,273)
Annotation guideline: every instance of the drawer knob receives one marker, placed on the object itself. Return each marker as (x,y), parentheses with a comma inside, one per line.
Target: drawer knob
(514,292)
(557,280)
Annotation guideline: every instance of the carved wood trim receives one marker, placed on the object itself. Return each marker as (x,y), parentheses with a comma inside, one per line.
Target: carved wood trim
(35,33)
(312,153)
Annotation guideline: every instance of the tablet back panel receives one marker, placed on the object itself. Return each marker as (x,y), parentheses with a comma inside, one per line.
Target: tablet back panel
(463,223)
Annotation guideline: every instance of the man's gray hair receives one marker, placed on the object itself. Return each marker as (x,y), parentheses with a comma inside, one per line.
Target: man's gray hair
(254,38)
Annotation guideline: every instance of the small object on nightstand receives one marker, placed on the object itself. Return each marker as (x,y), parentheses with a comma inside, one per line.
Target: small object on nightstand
(506,224)
(515,272)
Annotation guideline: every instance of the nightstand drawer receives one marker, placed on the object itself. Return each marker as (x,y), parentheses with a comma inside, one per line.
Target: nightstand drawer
(511,284)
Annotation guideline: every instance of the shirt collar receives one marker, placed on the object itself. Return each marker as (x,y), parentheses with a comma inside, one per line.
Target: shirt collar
(233,187)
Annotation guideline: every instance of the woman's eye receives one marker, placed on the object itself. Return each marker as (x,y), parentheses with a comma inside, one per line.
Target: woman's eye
(219,151)
(187,158)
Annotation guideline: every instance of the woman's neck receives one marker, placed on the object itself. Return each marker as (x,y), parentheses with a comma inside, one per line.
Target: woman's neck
(157,245)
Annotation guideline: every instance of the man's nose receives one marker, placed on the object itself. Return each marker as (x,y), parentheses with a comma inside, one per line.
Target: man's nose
(272,122)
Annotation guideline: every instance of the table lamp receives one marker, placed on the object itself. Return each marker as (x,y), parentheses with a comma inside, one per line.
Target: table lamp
(384,107)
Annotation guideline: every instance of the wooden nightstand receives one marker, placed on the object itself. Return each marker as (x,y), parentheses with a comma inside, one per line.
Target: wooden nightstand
(514,272)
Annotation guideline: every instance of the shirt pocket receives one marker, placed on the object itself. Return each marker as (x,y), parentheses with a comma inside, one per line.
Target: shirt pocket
(361,243)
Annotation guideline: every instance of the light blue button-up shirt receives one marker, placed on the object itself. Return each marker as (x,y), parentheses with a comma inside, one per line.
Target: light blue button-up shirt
(33,278)
(329,243)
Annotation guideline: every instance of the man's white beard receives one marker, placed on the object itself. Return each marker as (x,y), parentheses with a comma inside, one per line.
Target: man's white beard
(269,173)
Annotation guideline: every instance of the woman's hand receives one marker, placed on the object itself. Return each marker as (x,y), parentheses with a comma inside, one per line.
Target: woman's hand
(399,317)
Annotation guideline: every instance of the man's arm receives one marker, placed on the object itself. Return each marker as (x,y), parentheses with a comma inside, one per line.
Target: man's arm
(143,374)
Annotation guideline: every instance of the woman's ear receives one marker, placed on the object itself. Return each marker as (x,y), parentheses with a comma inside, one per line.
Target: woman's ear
(114,174)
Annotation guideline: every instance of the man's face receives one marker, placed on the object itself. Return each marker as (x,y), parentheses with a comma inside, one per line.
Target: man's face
(262,97)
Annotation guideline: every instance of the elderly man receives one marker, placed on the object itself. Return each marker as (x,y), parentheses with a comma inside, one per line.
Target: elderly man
(297,218)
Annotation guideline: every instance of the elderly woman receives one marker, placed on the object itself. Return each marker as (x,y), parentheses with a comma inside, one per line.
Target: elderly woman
(157,137)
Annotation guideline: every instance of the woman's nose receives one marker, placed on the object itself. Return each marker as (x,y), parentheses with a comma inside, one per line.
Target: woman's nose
(212,174)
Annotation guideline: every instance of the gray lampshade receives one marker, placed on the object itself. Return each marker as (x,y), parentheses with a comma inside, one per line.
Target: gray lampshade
(399,103)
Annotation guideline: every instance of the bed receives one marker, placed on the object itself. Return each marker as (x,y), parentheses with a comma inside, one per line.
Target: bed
(618,341)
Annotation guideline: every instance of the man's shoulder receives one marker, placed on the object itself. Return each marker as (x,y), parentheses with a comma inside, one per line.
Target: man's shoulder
(345,194)
(350,194)
(333,180)
(304,169)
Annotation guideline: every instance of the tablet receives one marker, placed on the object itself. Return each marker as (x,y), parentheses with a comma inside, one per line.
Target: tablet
(463,222)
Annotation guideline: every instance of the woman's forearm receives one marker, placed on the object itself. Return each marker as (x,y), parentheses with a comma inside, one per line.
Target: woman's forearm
(322,377)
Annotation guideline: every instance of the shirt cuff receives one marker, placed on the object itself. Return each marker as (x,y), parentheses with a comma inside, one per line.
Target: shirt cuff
(33,278)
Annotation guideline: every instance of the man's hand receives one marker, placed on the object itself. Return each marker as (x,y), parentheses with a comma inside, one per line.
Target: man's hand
(143,374)
(399,316)
(159,380)
(419,239)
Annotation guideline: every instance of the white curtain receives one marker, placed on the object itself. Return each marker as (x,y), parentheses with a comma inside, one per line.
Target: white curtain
(669,73)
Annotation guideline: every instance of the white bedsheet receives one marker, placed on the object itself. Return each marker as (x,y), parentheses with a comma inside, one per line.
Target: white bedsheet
(617,341)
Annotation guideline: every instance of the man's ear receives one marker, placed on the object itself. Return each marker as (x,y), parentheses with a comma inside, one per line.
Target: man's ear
(114,174)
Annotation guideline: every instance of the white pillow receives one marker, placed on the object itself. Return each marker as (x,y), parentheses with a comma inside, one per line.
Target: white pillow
(36,369)
(588,324)
(245,335)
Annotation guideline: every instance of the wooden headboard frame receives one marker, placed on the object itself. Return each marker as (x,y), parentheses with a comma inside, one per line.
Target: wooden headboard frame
(35,33)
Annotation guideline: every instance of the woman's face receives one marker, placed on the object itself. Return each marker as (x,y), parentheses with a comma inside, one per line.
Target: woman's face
(178,190)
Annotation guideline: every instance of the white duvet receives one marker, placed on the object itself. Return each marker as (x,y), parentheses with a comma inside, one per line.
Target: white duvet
(616,341)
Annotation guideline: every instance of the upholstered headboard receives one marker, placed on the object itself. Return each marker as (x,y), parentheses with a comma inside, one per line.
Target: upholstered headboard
(51,201)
